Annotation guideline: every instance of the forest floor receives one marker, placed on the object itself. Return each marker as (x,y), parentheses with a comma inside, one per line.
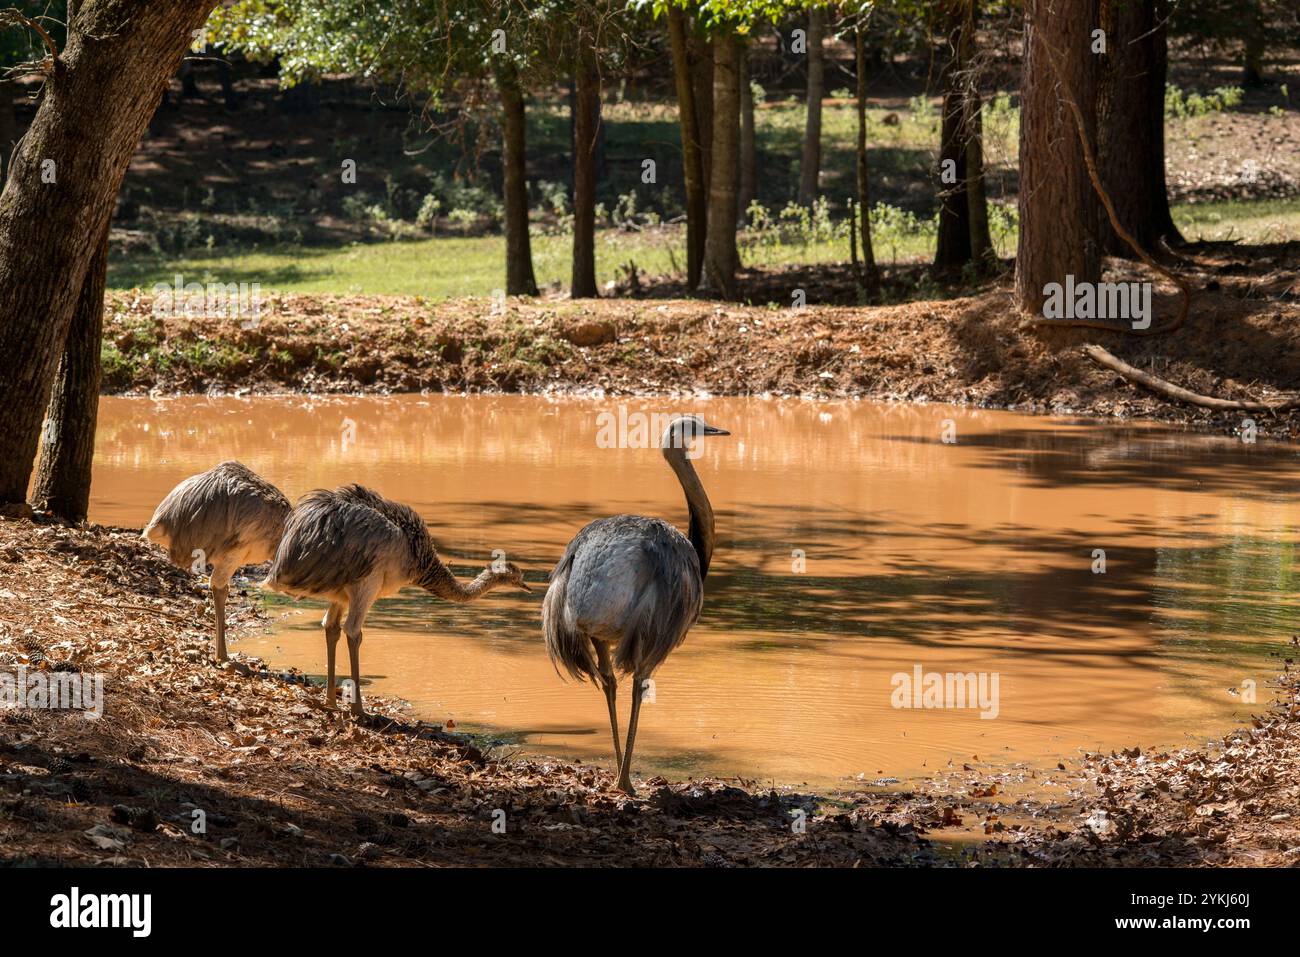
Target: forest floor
(1241,341)
(279,780)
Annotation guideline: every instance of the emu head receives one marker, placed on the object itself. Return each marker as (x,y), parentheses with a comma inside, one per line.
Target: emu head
(507,573)
(682,433)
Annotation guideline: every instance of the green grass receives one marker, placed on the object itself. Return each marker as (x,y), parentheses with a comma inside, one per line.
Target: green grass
(441,268)
(1259,221)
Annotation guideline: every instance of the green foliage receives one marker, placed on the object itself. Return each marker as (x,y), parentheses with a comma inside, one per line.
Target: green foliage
(1180,106)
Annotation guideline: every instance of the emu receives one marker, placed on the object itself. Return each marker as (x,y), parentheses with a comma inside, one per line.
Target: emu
(226,517)
(629,588)
(352,546)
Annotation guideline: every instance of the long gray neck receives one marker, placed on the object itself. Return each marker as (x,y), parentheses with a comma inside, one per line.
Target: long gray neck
(439,580)
(700,531)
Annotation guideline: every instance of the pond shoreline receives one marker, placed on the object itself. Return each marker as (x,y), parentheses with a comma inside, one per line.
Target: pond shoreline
(260,756)
(974,351)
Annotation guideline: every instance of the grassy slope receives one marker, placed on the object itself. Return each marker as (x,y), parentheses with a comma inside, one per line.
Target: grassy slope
(472,266)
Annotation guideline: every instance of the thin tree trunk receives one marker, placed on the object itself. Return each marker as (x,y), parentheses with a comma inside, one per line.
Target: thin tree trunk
(1162,217)
(189,82)
(1130,127)
(520,280)
(697,196)
(748,139)
(1058,222)
(870,272)
(68,440)
(953,248)
(720,258)
(811,167)
(1252,71)
(586,123)
(702,80)
(982,253)
(226,73)
(105,86)
(972,128)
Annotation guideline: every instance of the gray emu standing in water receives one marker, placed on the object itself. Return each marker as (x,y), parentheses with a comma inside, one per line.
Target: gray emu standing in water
(633,583)
(228,517)
(352,546)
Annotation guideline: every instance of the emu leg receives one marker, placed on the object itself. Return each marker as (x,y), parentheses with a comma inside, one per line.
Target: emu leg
(625,771)
(610,685)
(354,653)
(332,631)
(220,590)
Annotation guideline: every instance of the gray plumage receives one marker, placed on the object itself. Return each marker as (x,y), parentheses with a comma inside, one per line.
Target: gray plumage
(630,581)
(350,547)
(628,589)
(336,538)
(226,517)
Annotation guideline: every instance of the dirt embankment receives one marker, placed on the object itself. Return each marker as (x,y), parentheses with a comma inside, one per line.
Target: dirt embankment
(281,781)
(1242,341)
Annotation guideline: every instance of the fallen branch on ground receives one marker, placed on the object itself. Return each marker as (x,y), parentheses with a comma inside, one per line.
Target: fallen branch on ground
(1169,390)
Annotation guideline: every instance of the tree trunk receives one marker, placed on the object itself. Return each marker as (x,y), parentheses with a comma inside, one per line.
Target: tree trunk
(870,272)
(963,210)
(953,249)
(105,86)
(226,73)
(1162,217)
(702,80)
(720,258)
(748,139)
(189,82)
(1058,224)
(697,196)
(972,126)
(1252,71)
(1130,127)
(520,280)
(68,440)
(811,167)
(982,253)
(586,123)
(8,129)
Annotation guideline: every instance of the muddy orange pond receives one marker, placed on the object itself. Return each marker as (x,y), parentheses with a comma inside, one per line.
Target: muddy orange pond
(1103,585)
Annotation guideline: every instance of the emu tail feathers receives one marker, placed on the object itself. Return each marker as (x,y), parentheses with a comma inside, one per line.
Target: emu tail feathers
(563,643)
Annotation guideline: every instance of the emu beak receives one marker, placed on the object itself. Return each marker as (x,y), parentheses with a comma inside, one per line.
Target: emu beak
(714,430)
(524,586)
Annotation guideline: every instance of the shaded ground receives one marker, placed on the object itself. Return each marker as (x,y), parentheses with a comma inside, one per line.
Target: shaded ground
(284,782)
(281,781)
(1242,340)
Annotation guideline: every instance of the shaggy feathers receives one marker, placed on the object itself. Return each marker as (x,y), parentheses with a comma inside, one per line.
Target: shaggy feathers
(336,538)
(629,579)
(221,511)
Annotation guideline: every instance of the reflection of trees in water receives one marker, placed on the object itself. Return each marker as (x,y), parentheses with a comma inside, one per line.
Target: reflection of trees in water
(523,473)
(1238,589)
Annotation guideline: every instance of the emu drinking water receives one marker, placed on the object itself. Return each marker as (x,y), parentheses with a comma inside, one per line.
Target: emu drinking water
(226,517)
(352,546)
(629,588)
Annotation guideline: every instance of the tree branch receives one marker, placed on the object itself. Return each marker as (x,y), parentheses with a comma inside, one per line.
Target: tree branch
(12,17)
(1100,356)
